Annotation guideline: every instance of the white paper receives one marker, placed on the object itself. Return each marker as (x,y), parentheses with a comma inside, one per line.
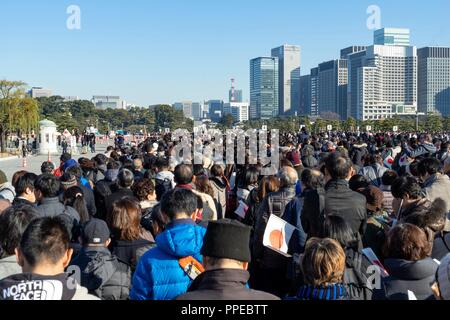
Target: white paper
(242,209)
(277,235)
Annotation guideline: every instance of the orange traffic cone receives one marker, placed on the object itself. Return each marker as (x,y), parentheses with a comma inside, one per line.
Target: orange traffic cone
(49,157)
(24,162)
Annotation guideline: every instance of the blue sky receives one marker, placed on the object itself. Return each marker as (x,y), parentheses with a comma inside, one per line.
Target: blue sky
(162,51)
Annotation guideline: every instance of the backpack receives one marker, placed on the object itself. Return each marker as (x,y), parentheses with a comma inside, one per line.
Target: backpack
(161,187)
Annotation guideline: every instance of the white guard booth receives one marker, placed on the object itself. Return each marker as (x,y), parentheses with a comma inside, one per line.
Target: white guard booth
(48,137)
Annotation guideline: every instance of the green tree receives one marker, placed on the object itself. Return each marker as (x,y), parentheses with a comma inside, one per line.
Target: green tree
(227,121)
(18,112)
(446,123)
(349,124)
(434,123)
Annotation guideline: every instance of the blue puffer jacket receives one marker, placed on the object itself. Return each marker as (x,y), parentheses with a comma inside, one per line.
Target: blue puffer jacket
(158,275)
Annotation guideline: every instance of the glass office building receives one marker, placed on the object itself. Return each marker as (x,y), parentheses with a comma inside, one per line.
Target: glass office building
(434,80)
(264,88)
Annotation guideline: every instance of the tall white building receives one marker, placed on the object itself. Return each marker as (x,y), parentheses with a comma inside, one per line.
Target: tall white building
(386,81)
(288,78)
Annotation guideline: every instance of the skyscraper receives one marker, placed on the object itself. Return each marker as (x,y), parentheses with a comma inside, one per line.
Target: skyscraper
(264,88)
(332,96)
(305,95)
(355,62)
(434,79)
(314,92)
(391,37)
(288,78)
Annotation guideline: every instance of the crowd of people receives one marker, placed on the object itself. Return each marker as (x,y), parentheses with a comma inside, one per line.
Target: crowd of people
(136,223)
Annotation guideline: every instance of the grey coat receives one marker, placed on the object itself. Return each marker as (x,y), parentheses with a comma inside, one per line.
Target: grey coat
(52,207)
(438,186)
(9,266)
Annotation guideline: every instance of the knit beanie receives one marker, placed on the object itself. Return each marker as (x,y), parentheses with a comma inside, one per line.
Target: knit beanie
(227,239)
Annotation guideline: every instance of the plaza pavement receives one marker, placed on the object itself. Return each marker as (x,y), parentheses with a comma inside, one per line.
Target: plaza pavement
(10,166)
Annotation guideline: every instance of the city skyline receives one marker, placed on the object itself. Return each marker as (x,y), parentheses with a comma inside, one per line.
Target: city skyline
(131,52)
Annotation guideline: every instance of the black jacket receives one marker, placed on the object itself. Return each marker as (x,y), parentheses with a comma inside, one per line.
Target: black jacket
(103,274)
(127,251)
(417,277)
(312,215)
(356,275)
(441,245)
(358,153)
(341,201)
(224,284)
(22,202)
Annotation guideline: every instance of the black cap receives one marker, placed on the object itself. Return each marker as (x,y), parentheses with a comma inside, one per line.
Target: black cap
(227,239)
(95,231)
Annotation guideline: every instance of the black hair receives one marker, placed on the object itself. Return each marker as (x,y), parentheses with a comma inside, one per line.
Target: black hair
(251,176)
(336,228)
(161,163)
(178,201)
(13,222)
(74,197)
(48,185)
(47,167)
(75,171)
(65,157)
(217,170)
(358,182)
(429,166)
(125,179)
(338,166)
(389,177)
(198,170)
(25,182)
(159,218)
(414,168)
(406,185)
(45,239)
(183,174)
(311,180)
(434,217)
(113,165)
